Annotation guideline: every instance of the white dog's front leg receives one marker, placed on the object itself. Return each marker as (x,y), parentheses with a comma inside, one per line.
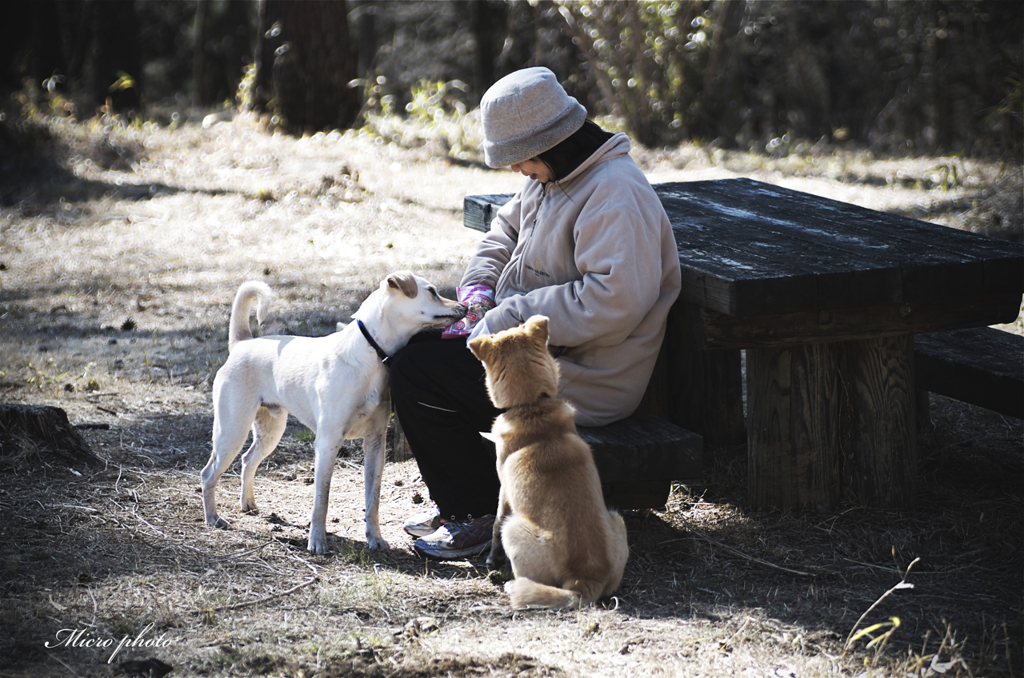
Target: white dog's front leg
(326,451)
(374,443)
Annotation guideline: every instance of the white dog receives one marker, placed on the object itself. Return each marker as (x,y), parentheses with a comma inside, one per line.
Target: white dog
(336,385)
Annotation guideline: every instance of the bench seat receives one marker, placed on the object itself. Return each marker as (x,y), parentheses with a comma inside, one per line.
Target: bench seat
(982,366)
(638,457)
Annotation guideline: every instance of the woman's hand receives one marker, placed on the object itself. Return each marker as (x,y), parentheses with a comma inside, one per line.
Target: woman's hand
(478,299)
(478,329)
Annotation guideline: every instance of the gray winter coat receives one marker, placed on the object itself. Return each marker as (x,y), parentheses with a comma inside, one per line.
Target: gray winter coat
(594,252)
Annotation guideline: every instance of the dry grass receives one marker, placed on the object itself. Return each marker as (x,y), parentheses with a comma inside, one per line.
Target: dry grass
(101,226)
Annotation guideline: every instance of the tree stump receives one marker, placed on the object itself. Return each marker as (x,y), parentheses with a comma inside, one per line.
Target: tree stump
(31,434)
(399,450)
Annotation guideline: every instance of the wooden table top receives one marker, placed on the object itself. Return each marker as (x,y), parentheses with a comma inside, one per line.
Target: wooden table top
(748,248)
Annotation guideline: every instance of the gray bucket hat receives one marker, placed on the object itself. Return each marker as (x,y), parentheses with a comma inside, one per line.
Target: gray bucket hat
(526,113)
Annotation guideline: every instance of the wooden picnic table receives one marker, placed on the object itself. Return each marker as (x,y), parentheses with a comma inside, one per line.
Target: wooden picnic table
(825,298)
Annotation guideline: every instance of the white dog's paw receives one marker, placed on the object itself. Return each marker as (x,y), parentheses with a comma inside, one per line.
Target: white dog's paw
(218,522)
(377,543)
(317,545)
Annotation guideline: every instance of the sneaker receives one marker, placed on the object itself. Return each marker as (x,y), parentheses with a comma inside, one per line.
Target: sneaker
(456,539)
(422,524)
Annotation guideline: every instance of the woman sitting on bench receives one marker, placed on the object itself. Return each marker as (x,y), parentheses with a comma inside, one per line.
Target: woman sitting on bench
(585,242)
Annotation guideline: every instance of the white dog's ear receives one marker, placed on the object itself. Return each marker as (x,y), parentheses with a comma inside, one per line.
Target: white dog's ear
(404,281)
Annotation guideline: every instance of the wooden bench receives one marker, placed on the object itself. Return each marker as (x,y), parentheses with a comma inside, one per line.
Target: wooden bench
(982,366)
(639,457)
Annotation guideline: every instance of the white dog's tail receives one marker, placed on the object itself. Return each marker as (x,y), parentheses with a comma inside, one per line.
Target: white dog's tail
(254,290)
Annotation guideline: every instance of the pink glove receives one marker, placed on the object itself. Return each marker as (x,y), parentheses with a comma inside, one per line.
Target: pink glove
(479,299)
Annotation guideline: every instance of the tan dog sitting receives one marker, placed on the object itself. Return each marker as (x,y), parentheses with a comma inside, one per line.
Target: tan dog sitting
(566,548)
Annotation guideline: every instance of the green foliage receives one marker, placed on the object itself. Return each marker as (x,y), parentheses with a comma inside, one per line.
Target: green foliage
(950,174)
(649,59)
(124,81)
(436,116)
(895,76)
(432,102)
(245,93)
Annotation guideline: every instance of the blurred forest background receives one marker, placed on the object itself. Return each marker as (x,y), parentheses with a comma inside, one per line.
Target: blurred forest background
(898,77)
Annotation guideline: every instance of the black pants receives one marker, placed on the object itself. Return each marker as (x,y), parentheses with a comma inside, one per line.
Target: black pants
(439,393)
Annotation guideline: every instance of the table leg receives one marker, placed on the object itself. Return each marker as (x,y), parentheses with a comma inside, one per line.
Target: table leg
(832,422)
(696,388)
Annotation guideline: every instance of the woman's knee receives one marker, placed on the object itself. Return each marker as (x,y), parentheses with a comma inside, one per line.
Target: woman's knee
(407,365)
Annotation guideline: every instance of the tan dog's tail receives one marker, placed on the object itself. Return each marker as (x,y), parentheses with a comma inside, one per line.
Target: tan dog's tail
(250,291)
(527,594)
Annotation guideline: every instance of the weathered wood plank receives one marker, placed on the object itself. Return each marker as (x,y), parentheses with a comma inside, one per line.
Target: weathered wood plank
(830,423)
(857,245)
(478,210)
(724,331)
(643,448)
(880,441)
(770,450)
(846,226)
(700,390)
(983,366)
(779,264)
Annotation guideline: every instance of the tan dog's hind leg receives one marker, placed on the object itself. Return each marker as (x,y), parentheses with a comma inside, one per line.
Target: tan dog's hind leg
(535,556)
(619,548)
(496,558)
(267,430)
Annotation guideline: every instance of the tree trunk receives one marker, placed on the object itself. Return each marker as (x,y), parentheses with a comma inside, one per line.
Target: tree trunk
(118,75)
(486,22)
(313,66)
(199,53)
(365,15)
(720,91)
(34,434)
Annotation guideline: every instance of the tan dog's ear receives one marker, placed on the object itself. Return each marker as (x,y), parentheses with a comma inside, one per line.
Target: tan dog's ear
(404,281)
(537,328)
(481,348)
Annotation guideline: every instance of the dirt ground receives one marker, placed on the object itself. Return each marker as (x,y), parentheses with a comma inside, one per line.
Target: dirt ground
(120,251)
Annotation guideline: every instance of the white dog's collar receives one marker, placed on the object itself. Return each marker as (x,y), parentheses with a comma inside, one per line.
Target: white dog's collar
(384,358)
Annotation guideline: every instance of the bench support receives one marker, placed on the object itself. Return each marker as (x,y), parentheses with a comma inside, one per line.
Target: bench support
(832,422)
(698,389)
